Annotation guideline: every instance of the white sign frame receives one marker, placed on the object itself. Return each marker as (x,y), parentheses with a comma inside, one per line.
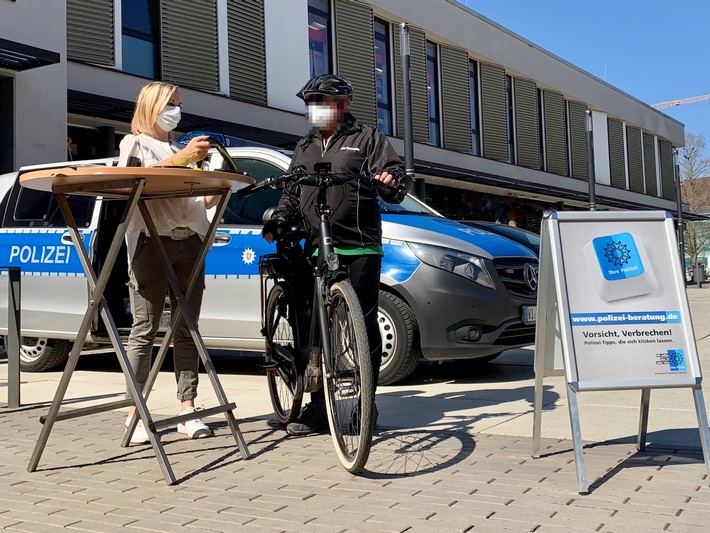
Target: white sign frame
(596,263)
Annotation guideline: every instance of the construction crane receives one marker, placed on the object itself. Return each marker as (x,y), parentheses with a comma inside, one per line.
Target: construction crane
(675,103)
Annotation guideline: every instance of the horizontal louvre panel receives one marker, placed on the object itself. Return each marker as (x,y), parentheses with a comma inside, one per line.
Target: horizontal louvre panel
(247,50)
(649,164)
(617,165)
(555,133)
(456,100)
(189,43)
(527,124)
(635,159)
(417,63)
(355,46)
(494,113)
(578,140)
(665,150)
(90,35)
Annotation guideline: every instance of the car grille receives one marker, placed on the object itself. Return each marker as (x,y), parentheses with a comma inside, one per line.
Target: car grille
(517,334)
(518,275)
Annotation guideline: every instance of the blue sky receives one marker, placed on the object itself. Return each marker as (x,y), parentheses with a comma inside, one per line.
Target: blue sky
(653,50)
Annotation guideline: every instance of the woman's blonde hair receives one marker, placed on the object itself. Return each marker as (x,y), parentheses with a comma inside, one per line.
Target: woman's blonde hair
(151,101)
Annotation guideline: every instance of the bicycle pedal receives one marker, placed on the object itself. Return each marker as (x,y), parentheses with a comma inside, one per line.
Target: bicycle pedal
(312,379)
(268,367)
(346,390)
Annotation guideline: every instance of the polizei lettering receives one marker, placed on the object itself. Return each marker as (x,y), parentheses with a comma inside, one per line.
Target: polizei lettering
(47,254)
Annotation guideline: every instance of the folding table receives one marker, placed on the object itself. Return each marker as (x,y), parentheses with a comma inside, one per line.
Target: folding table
(136,186)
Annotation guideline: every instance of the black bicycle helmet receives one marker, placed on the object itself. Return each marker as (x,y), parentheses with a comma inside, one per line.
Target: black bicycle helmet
(327,84)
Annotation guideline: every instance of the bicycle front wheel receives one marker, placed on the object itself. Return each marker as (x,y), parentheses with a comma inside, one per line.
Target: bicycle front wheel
(285,382)
(348,380)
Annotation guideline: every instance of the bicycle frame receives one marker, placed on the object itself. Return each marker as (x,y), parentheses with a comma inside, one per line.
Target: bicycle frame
(326,271)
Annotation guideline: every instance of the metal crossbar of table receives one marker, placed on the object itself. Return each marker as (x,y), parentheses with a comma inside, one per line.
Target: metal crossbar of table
(137,186)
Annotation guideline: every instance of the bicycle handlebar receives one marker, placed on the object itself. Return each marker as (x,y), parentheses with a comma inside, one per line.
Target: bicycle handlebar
(316,179)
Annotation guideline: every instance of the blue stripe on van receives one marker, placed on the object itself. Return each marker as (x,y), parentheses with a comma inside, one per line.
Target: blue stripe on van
(41,251)
(398,263)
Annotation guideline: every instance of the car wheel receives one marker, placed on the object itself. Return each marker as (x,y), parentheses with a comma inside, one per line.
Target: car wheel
(400,339)
(38,354)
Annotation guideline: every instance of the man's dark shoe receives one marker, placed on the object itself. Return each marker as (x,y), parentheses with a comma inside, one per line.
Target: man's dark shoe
(313,419)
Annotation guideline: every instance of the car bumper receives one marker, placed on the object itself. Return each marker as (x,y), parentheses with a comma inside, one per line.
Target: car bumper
(459,319)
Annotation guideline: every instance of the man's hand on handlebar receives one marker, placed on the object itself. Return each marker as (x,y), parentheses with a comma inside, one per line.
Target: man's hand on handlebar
(386,178)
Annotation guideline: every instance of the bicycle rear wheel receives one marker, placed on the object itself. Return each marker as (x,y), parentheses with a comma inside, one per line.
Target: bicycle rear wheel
(285,382)
(348,380)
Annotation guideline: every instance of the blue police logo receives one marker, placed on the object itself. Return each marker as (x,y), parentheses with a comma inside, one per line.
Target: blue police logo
(618,256)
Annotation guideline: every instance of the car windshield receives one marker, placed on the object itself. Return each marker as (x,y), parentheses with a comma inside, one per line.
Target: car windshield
(518,234)
(409,206)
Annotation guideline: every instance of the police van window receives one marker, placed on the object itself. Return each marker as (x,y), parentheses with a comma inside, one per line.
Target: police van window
(250,210)
(41,209)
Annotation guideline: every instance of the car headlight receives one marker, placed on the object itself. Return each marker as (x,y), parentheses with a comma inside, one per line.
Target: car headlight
(466,265)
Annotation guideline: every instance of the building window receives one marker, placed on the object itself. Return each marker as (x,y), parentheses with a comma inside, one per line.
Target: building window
(509,116)
(382,77)
(473,92)
(432,81)
(319,36)
(141,37)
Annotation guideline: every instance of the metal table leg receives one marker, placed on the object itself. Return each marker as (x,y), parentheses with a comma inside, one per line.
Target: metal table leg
(97,285)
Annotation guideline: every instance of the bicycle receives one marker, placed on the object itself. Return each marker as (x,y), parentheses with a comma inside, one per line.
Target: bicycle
(301,350)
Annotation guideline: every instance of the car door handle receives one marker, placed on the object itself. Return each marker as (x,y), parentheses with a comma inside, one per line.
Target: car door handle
(220,239)
(67,238)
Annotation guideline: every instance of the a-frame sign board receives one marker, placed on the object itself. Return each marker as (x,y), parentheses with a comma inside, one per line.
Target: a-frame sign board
(613,314)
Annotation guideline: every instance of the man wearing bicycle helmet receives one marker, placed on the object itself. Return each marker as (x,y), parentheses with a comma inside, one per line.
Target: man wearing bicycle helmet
(350,147)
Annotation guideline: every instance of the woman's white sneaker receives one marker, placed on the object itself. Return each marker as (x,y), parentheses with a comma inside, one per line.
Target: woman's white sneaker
(195,428)
(140,435)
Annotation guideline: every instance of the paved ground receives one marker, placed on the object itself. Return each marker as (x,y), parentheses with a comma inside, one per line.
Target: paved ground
(452,454)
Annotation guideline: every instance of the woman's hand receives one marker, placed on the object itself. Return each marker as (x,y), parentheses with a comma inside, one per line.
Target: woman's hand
(196,150)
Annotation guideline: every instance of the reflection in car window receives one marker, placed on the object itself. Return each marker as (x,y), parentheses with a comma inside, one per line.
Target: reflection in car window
(409,206)
(41,209)
(250,210)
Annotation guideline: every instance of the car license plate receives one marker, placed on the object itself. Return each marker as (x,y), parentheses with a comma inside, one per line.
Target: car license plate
(529,314)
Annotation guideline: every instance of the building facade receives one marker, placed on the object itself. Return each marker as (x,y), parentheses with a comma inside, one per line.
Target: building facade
(500,125)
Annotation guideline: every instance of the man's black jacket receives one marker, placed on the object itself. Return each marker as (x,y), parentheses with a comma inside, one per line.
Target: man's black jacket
(354,149)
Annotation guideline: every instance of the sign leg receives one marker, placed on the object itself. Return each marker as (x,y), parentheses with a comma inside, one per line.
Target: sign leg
(703,425)
(643,419)
(577,438)
(537,402)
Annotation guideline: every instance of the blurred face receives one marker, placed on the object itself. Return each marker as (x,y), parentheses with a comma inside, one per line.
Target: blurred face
(326,113)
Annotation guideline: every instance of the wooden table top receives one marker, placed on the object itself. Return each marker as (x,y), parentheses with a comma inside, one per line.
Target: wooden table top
(160,181)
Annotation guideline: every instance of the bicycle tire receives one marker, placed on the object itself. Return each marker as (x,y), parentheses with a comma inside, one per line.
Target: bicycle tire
(284,379)
(348,379)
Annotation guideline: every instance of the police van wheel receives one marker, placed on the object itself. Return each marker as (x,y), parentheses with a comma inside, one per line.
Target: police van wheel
(38,354)
(400,339)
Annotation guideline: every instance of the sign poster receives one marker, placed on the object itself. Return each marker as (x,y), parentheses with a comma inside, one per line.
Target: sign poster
(628,315)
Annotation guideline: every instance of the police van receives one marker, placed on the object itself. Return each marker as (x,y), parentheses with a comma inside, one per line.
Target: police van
(447,290)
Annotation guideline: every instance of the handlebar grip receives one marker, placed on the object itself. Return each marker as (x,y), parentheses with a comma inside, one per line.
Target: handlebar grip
(246,191)
(389,189)
(259,186)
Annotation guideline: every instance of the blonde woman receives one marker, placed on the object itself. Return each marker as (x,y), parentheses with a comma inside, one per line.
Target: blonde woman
(181,224)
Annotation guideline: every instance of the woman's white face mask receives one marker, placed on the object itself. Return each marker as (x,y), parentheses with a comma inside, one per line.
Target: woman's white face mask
(321,115)
(169,118)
